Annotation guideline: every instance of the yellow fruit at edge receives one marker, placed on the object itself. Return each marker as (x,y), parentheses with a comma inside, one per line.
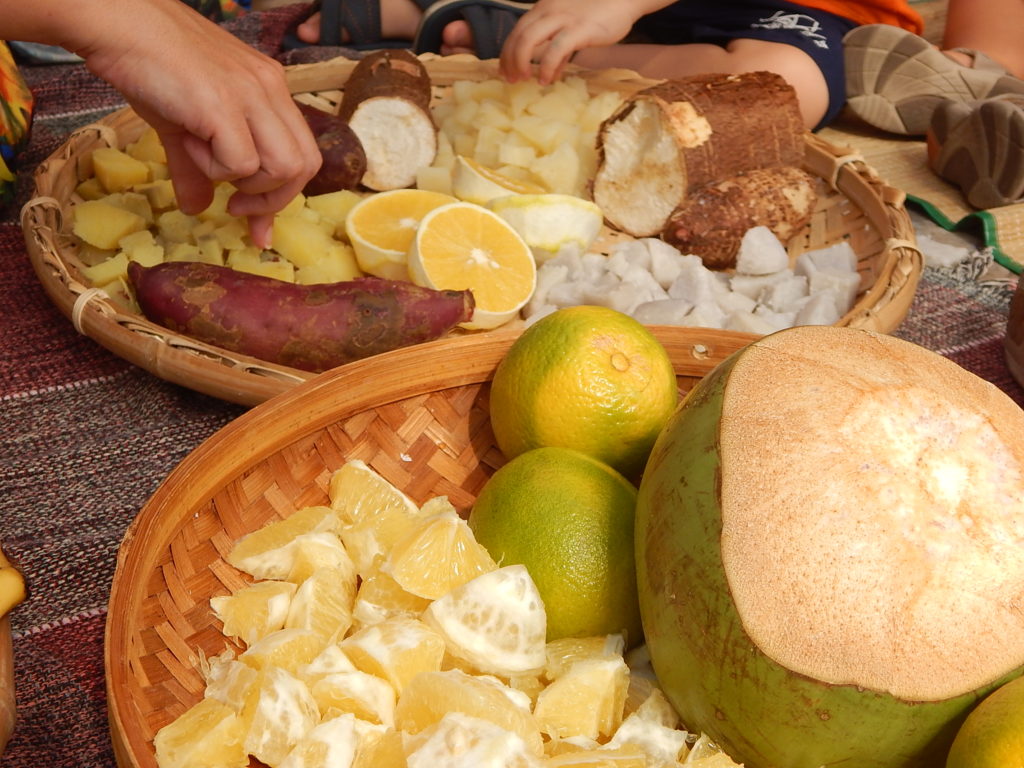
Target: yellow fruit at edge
(496,622)
(569,519)
(992,736)
(382,226)
(464,246)
(588,378)
(476,183)
(208,735)
(437,557)
(430,696)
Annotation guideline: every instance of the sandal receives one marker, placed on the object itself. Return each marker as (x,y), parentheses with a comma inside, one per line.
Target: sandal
(980,148)
(359,18)
(896,79)
(490,20)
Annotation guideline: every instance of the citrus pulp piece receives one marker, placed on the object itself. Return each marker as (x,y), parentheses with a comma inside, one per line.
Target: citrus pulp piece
(311,551)
(461,741)
(706,754)
(329,744)
(323,603)
(380,597)
(588,378)
(463,246)
(278,716)
(207,735)
(496,622)
(566,651)
(381,227)
(568,518)
(662,744)
(430,696)
(288,648)
(366,696)
(993,733)
(476,183)
(396,650)
(230,682)
(587,700)
(627,756)
(267,554)
(438,556)
(254,611)
(551,224)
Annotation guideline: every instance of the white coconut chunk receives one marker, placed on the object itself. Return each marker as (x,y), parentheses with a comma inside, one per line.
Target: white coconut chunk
(785,295)
(541,311)
(778,320)
(820,309)
(626,297)
(706,315)
(748,322)
(548,276)
(663,312)
(593,265)
(843,284)
(596,292)
(752,285)
(642,278)
(760,253)
(839,257)
(567,294)
(731,301)
(694,283)
(571,261)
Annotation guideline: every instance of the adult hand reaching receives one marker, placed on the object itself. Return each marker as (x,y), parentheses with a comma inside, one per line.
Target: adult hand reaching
(221,108)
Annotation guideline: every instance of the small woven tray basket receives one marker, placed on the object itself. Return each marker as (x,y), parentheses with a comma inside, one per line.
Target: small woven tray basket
(854,205)
(423,426)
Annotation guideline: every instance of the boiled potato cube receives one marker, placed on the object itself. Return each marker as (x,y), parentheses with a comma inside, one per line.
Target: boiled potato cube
(231,234)
(560,170)
(522,94)
(176,226)
(158,170)
(338,264)
(434,179)
(516,151)
(553,106)
(90,189)
(147,147)
(334,207)
(250,259)
(211,250)
(540,132)
(112,269)
(599,109)
(463,91)
(101,224)
(117,170)
(445,157)
(217,210)
(182,252)
(122,295)
(142,247)
(487,142)
(299,240)
(294,206)
(159,193)
(132,201)
(493,115)
(90,255)
(492,88)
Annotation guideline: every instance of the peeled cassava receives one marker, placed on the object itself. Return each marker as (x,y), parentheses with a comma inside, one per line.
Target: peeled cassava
(830,551)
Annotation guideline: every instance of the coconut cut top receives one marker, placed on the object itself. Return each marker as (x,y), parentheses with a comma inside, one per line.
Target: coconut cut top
(873,513)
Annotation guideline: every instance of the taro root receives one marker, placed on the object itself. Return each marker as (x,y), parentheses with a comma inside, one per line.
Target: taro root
(677,136)
(344,161)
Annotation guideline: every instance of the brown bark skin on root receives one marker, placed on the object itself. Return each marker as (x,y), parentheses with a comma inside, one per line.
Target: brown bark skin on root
(310,327)
(344,161)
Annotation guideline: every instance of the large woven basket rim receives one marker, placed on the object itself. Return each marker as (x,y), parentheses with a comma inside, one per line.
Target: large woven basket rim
(246,380)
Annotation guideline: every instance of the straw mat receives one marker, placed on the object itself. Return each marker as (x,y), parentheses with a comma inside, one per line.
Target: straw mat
(901,162)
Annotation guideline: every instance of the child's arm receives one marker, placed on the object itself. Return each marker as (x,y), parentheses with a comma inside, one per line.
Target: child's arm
(222,109)
(553,30)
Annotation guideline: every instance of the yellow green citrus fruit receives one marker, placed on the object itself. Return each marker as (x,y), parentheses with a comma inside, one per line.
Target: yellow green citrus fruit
(992,736)
(588,378)
(569,519)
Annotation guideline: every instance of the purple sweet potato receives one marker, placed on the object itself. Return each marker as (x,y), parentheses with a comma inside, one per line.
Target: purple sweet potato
(344,160)
(311,327)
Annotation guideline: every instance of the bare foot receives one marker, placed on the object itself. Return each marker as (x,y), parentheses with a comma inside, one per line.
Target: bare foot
(457,37)
(398,21)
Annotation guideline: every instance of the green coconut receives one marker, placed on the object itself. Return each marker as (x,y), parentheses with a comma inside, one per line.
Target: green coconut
(830,551)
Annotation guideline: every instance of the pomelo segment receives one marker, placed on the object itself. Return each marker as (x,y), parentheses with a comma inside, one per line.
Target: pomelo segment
(829,551)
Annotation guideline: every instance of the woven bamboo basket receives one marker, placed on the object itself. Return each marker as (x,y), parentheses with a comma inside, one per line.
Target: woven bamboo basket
(855,205)
(424,427)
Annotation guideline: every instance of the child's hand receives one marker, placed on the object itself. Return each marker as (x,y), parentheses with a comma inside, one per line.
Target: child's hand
(221,108)
(553,30)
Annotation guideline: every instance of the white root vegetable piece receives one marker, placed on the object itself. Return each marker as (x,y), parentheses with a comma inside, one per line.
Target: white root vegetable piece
(713,220)
(664,142)
(387,104)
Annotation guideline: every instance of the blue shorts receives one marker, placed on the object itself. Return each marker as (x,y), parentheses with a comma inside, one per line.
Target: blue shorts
(818,33)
